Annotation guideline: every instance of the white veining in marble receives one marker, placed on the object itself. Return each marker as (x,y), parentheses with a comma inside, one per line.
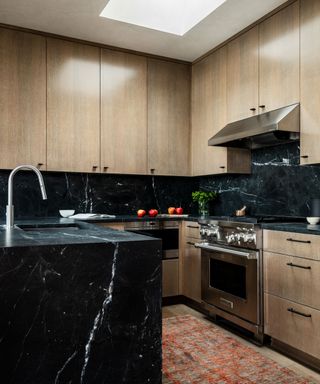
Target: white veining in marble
(56,381)
(100,315)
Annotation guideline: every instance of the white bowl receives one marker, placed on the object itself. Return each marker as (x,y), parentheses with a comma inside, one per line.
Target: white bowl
(313,220)
(66,212)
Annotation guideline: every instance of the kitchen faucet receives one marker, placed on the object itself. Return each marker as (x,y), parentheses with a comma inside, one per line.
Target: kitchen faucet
(10,207)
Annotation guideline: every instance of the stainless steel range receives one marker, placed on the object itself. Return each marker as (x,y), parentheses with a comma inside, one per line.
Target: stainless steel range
(231,268)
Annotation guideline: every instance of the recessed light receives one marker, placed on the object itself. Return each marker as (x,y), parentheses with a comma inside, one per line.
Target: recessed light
(171,16)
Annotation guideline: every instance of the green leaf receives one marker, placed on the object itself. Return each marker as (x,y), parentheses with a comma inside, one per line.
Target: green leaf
(204,196)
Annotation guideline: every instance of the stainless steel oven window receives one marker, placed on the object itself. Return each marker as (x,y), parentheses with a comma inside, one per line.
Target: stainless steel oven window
(228,277)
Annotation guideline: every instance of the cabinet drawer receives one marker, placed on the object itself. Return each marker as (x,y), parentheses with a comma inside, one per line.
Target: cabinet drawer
(292,278)
(170,278)
(294,329)
(295,244)
(192,229)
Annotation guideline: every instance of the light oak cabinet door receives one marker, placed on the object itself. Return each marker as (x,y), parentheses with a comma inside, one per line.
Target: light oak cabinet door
(310,81)
(293,278)
(168,118)
(73,106)
(279,59)
(190,261)
(294,244)
(22,99)
(170,278)
(191,271)
(291,289)
(243,76)
(123,113)
(294,324)
(209,115)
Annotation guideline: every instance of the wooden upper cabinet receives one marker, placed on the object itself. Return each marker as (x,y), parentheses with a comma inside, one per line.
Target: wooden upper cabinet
(208,112)
(243,76)
(279,59)
(310,81)
(73,106)
(168,118)
(209,115)
(123,112)
(22,99)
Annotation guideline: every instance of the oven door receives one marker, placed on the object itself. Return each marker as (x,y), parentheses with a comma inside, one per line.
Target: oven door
(229,280)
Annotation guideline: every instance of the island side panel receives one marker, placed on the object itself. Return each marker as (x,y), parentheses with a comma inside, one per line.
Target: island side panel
(86,313)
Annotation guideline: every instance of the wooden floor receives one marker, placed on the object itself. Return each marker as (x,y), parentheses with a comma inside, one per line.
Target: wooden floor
(180,309)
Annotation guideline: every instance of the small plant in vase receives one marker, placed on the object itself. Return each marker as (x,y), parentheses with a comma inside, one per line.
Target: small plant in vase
(203,199)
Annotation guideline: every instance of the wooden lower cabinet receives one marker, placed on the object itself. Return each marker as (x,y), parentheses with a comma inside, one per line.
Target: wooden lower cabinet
(295,244)
(291,277)
(292,291)
(191,271)
(192,229)
(170,277)
(190,261)
(294,324)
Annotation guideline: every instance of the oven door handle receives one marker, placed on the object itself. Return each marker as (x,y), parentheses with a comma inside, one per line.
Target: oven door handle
(247,255)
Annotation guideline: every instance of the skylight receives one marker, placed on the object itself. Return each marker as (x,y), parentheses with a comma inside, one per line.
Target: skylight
(171,16)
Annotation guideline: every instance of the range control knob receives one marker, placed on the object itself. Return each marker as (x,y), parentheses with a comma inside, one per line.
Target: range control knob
(239,237)
(203,231)
(250,238)
(231,238)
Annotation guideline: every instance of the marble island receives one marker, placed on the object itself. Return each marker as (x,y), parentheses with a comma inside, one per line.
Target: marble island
(79,305)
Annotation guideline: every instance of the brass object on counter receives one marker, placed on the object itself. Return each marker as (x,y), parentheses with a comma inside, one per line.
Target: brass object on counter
(241,212)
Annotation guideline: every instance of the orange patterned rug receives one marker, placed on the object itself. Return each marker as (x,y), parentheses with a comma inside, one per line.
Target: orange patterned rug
(197,352)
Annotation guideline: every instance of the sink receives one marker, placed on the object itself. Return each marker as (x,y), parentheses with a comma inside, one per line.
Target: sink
(49,227)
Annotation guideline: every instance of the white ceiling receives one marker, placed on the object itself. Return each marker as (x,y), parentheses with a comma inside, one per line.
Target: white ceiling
(80,19)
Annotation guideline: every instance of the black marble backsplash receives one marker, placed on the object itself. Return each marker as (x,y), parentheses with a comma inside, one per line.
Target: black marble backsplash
(112,194)
(278,185)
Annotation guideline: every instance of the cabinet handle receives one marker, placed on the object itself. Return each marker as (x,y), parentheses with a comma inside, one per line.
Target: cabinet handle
(222,167)
(94,167)
(304,157)
(298,313)
(299,241)
(262,106)
(152,170)
(39,165)
(253,109)
(105,169)
(193,226)
(152,223)
(190,243)
(298,266)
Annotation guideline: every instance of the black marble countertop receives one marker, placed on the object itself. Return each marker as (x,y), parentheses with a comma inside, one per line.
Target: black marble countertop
(55,231)
(293,227)
(130,218)
(60,231)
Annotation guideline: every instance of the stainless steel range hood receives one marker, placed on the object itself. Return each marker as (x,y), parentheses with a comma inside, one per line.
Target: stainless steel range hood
(280,126)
